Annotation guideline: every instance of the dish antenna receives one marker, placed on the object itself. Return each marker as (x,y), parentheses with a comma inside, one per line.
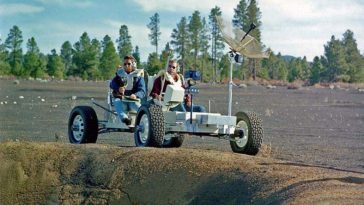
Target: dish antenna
(241,44)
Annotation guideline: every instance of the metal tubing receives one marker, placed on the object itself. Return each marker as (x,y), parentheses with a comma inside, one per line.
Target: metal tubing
(104,108)
(230,87)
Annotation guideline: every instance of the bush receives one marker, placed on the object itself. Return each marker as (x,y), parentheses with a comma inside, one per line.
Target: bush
(343,78)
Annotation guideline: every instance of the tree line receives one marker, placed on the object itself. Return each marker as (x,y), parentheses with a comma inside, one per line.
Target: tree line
(198,44)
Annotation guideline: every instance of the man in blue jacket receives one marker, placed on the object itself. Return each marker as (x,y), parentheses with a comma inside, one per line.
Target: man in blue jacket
(128,88)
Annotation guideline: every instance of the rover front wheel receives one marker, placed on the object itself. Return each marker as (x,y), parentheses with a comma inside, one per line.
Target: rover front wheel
(149,126)
(82,125)
(248,134)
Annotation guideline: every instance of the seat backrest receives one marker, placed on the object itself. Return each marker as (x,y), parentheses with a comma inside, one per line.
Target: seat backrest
(150,83)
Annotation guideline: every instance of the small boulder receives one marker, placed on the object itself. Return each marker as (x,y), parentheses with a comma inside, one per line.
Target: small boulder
(271,87)
(243,85)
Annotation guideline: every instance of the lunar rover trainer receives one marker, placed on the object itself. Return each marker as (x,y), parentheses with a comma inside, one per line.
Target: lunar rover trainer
(154,124)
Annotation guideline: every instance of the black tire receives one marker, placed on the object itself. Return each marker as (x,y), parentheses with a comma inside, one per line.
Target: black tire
(174,141)
(149,126)
(82,125)
(254,135)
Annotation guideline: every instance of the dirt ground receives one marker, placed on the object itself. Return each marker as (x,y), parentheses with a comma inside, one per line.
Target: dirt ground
(313,146)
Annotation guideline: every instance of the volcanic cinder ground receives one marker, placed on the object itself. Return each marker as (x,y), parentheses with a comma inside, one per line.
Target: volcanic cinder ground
(313,151)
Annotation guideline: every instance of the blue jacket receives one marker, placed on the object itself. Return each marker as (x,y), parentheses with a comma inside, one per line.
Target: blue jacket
(138,87)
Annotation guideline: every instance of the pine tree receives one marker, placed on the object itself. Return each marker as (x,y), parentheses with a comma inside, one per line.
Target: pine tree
(165,53)
(240,19)
(295,70)
(204,48)
(97,47)
(155,33)
(109,59)
(244,16)
(253,16)
(55,66)
(335,55)
(124,42)
(274,67)
(282,68)
(66,55)
(153,64)
(217,44)
(306,73)
(136,55)
(105,41)
(224,67)
(180,41)
(353,58)
(316,71)
(33,65)
(85,58)
(195,29)
(14,44)
(4,65)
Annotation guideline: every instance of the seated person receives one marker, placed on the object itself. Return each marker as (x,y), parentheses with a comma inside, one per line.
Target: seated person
(186,105)
(172,77)
(134,89)
(166,78)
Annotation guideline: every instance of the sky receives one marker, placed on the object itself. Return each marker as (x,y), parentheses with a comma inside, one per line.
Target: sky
(296,27)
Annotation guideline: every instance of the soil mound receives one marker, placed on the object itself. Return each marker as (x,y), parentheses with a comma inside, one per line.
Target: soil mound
(39,173)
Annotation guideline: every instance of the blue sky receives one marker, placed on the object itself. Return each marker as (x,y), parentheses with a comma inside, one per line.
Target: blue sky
(297,27)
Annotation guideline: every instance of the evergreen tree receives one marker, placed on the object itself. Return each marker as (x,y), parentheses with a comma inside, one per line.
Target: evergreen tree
(240,16)
(33,65)
(274,68)
(306,73)
(109,59)
(253,16)
(4,65)
(105,42)
(180,41)
(244,16)
(353,58)
(195,29)
(14,44)
(295,70)
(282,68)
(217,44)
(164,55)
(136,55)
(153,64)
(97,47)
(85,58)
(66,55)
(55,65)
(204,48)
(316,70)
(124,42)
(224,67)
(155,33)
(335,55)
